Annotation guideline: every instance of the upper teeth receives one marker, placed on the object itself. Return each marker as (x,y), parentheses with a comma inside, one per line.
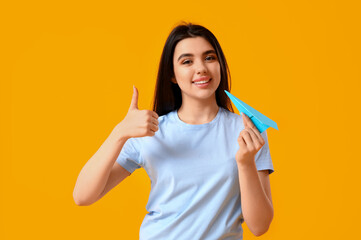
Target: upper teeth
(201,82)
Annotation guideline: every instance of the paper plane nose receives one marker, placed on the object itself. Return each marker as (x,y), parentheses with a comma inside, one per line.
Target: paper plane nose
(260,121)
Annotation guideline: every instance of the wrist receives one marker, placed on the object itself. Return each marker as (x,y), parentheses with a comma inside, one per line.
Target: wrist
(119,133)
(249,165)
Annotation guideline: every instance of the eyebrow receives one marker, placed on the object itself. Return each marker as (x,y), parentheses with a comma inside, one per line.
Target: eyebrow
(191,55)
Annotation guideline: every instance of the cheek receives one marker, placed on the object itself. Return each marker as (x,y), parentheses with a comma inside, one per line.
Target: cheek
(182,75)
(217,72)
(219,68)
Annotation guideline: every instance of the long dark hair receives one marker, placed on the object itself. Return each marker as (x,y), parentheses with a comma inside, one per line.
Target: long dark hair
(167,95)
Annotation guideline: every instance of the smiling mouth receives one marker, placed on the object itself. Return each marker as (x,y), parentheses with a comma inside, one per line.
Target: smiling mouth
(203,82)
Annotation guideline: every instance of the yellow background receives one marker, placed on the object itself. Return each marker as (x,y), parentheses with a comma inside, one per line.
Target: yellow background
(67,71)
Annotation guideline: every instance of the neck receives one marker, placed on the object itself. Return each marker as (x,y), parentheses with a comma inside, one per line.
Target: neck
(198,111)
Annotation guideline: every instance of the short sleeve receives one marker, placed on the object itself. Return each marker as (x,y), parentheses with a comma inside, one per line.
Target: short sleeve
(263,157)
(129,157)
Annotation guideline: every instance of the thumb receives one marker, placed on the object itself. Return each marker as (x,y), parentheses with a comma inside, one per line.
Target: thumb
(134,103)
(244,120)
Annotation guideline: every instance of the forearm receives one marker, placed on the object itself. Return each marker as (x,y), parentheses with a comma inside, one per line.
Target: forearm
(257,209)
(95,173)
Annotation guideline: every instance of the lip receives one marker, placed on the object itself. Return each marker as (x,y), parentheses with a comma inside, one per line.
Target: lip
(203,85)
(201,79)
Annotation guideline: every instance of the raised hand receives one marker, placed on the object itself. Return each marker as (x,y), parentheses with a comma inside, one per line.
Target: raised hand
(138,123)
(250,142)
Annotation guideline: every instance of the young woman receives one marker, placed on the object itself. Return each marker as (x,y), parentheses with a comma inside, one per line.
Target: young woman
(209,167)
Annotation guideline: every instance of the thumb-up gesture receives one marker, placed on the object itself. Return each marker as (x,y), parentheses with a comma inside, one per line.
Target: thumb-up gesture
(250,141)
(139,123)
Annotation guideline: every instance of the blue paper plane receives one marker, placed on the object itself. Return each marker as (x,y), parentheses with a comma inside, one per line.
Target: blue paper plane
(259,120)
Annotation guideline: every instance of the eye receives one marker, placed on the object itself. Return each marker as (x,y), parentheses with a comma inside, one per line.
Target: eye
(186,61)
(210,58)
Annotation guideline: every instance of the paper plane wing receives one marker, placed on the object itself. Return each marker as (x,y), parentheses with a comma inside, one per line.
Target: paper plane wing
(260,121)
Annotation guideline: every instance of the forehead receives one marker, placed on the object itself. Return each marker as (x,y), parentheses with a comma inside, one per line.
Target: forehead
(196,45)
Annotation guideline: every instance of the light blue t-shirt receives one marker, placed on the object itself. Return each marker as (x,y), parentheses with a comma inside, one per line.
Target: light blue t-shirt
(195,191)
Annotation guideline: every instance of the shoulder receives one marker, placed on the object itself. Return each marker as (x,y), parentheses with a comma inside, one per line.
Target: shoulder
(167,119)
(167,116)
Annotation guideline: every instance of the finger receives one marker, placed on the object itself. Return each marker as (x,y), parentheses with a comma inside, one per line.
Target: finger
(155,115)
(247,138)
(256,141)
(258,134)
(150,133)
(154,127)
(152,130)
(247,121)
(134,102)
(155,121)
(241,142)
(244,120)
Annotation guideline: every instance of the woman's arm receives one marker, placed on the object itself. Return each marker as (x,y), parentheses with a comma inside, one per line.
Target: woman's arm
(94,175)
(117,175)
(256,200)
(101,173)
(257,208)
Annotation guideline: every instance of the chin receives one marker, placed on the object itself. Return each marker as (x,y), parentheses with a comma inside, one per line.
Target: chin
(206,96)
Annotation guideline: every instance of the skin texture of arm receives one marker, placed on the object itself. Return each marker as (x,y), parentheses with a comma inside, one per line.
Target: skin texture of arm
(257,207)
(256,199)
(101,173)
(117,175)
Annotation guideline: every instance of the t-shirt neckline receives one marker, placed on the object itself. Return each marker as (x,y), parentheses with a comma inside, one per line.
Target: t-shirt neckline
(197,126)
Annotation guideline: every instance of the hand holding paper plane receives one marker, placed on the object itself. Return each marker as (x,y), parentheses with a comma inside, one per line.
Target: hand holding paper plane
(260,121)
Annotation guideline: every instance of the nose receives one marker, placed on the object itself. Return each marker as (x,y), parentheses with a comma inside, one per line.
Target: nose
(200,67)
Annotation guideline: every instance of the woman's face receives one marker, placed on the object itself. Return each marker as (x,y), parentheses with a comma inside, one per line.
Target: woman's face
(196,68)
